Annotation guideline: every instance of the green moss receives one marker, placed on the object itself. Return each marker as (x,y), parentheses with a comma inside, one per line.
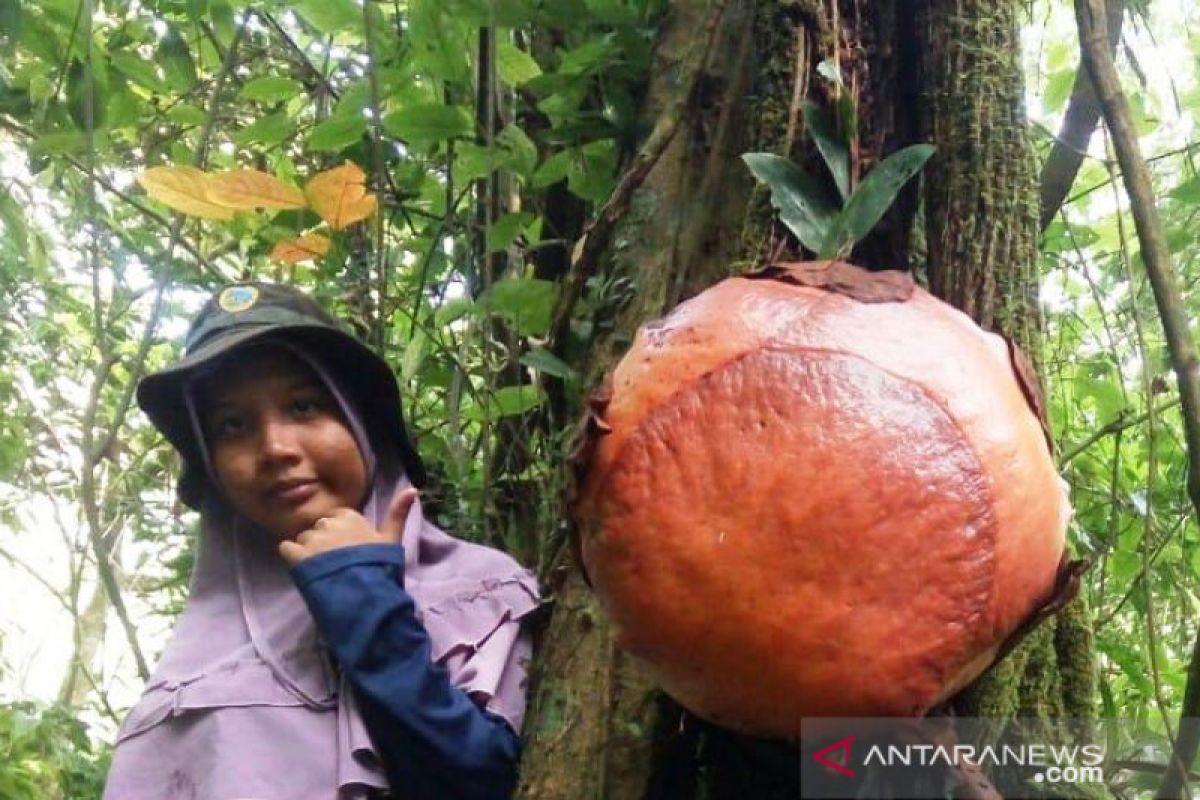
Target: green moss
(775,30)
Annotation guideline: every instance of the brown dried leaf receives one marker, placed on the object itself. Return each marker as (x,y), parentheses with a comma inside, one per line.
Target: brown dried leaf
(308,247)
(185,189)
(1031,387)
(1066,586)
(581,448)
(340,196)
(249,189)
(886,286)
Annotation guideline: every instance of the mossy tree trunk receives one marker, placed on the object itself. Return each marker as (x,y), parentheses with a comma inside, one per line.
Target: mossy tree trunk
(939,71)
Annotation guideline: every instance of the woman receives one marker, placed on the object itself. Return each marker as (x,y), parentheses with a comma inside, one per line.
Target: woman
(336,644)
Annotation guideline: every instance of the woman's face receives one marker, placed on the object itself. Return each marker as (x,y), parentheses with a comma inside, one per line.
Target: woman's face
(280,446)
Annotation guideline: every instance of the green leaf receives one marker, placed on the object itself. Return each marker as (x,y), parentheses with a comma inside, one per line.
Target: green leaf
(1130,662)
(1145,120)
(527,303)
(591,172)
(504,231)
(186,114)
(175,57)
(13,223)
(222,20)
(548,363)
(515,65)
(587,57)
(437,41)
(802,203)
(471,161)
(84,97)
(552,170)
(338,132)
(331,16)
(500,13)
(428,123)
(455,308)
(140,70)
(1058,89)
(271,129)
(60,143)
(14,101)
(832,145)
(873,197)
(10,25)
(63,12)
(414,354)
(1187,192)
(355,98)
(511,400)
(271,89)
(614,12)
(124,110)
(40,38)
(520,151)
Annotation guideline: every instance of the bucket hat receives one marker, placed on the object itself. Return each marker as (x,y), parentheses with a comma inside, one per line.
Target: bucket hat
(243,313)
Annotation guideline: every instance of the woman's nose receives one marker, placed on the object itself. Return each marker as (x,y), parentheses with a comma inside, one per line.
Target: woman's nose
(278,439)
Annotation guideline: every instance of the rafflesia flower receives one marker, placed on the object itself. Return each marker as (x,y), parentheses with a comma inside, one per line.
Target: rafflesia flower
(817,492)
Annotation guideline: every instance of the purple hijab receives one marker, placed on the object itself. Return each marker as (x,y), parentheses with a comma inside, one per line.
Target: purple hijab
(245,703)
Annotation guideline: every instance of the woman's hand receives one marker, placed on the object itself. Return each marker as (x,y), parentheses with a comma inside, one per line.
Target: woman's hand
(345,527)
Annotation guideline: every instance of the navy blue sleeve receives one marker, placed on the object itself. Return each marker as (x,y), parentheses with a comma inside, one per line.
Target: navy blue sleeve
(435,742)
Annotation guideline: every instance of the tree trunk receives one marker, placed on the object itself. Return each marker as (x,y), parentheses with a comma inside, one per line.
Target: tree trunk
(981,227)
(88,639)
(942,71)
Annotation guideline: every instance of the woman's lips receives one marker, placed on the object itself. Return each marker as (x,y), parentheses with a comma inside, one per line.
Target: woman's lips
(293,494)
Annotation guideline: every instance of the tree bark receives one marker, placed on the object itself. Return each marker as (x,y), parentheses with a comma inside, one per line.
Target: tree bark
(596,723)
(981,228)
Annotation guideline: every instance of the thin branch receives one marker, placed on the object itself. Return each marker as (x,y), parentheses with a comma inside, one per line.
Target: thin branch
(1147,542)
(112,189)
(1121,422)
(1143,766)
(1185,150)
(1156,255)
(33,573)
(93,453)
(1143,572)
(290,43)
(1079,122)
(377,171)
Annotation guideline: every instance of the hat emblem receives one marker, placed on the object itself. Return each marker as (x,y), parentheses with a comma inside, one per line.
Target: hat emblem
(237,298)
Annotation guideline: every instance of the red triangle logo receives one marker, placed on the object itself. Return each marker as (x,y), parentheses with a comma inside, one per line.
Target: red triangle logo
(822,756)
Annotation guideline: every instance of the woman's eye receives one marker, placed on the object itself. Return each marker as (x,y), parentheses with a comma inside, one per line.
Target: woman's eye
(225,427)
(306,406)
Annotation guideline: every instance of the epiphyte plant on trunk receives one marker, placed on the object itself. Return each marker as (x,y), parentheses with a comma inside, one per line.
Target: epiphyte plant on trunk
(830,226)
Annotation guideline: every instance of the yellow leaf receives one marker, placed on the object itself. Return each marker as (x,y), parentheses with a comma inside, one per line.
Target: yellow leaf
(248,189)
(340,196)
(305,248)
(184,189)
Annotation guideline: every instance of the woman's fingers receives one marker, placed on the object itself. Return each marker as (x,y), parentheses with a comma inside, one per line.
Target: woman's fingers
(392,529)
(293,552)
(343,527)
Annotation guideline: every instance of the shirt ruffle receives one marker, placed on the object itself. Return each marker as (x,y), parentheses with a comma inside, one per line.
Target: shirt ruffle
(475,632)
(238,684)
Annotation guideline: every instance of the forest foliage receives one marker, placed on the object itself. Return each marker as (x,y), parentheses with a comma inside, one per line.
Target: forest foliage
(483,131)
